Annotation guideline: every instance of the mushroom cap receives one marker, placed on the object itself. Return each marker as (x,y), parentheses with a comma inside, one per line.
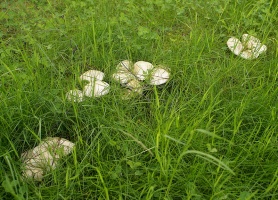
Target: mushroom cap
(235,45)
(247,54)
(159,76)
(124,66)
(259,49)
(123,77)
(44,156)
(96,88)
(75,95)
(141,69)
(91,75)
(250,41)
(124,72)
(33,172)
(135,86)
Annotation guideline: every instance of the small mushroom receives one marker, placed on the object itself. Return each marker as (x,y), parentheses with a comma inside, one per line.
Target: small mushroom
(123,72)
(96,88)
(124,66)
(135,86)
(159,76)
(44,157)
(235,45)
(250,41)
(123,77)
(247,54)
(92,75)
(75,95)
(141,69)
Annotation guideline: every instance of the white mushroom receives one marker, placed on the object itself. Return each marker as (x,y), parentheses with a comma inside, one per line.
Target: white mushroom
(96,88)
(235,45)
(159,76)
(124,72)
(141,69)
(123,77)
(124,66)
(135,86)
(75,95)
(250,41)
(250,47)
(44,157)
(92,75)
(247,54)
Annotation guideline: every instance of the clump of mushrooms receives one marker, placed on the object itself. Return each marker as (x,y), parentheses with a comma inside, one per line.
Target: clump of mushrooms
(95,87)
(249,48)
(134,77)
(44,157)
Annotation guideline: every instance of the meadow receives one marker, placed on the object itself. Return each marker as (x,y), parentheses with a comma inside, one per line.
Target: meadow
(210,132)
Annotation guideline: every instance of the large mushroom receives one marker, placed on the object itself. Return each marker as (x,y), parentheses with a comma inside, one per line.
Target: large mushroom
(44,157)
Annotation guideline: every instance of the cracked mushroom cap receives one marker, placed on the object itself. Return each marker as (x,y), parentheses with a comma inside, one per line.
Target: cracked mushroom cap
(44,157)
(235,45)
(135,86)
(159,76)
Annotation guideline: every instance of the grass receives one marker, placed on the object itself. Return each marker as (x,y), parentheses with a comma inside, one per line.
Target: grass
(209,133)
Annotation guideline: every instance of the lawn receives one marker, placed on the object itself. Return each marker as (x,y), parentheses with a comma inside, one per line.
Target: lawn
(210,132)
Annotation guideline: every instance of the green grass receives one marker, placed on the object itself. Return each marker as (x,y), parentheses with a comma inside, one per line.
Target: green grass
(209,133)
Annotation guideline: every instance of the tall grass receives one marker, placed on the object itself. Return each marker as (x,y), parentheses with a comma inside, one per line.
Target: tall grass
(209,133)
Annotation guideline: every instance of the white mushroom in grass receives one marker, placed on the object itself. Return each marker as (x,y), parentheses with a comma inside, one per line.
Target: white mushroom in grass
(123,77)
(141,69)
(235,45)
(249,48)
(96,88)
(133,78)
(92,75)
(124,66)
(75,95)
(159,76)
(123,72)
(135,86)
(44,157)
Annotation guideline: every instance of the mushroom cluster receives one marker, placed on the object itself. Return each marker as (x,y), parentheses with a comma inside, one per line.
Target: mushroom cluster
(133,76)
(95,87)
(249,48)
(44,157)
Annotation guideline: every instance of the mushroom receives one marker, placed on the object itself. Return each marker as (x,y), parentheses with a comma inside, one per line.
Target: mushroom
(141,69)
(44,157)
(249,48)
(250,41)
(124,65)
(235,45)
(96,88)
(124,72)
(135,86)
(159,76)
(75,95)
(91,75)
(254,44)
(123,77)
